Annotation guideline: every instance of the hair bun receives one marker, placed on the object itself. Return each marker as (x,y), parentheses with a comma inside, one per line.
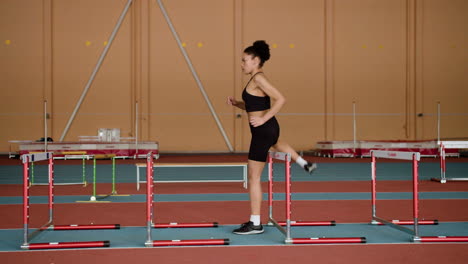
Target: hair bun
(263,49)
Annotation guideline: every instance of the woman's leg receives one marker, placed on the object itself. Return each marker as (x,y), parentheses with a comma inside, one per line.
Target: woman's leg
(255,169)
(282,146)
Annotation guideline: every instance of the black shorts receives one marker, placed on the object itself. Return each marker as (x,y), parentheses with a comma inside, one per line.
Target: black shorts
(263,137)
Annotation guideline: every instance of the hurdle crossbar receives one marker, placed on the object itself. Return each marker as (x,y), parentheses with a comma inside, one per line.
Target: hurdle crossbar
(285,227)
(27,236)
(26,158)
(396,224)
(150,213)
(443,166)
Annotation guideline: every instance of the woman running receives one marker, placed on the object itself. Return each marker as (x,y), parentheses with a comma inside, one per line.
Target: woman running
(264,128)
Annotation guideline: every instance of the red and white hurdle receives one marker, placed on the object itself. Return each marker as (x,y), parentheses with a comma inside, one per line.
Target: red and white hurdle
(149,219)
(286,157)
(27,237)
(443,166)
(415,158)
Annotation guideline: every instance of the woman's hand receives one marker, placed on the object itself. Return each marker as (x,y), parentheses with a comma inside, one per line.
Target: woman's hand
(239,104)
(257,121)
(231,101)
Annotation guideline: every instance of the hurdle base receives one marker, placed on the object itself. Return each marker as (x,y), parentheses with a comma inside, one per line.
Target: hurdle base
(83,227)
(61,245)
(449,179)
(310,223)
(439,180)
(327,240)
(190,242)
(149,243)
(429,239)
(408,222)
(185,225)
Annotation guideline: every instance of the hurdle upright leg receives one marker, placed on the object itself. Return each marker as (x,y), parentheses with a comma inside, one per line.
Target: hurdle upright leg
(271,220)
(25,201)
(286,157)
(415,198)
(288,198)
(149,199)
(150,214)
(114,191)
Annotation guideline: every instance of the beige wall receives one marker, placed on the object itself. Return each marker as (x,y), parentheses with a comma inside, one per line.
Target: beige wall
(393,58)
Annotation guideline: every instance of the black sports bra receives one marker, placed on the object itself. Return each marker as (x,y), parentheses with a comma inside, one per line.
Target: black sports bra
(255,103)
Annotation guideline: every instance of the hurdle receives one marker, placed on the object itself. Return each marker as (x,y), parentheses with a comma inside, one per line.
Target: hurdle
(443,167)
(80,154)
(84,156)
(242,165)
(95,197)
(149,218)
(286,157)
(27,236)
(414,157)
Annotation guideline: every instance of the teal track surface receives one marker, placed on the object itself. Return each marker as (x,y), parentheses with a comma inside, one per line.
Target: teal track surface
(134,237)
(12,174)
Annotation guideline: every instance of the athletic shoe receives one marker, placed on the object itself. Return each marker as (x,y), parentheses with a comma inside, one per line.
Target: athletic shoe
(248,229)
(310,167)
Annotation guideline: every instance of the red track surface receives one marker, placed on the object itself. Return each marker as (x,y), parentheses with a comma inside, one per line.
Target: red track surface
(326,254)
(133,214)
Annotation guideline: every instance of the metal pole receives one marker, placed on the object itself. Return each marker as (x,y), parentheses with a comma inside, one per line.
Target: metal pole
(84,171)
(94,177)
(438,123)
(51,189)
(25,201)
(373,185)
(32,173)
(287,164)
(96,69)
(136,130)
(149,198)
(443,167)
(195,76)
(354,128)
(113,176)
(45,125)
(415,197)
(270,186)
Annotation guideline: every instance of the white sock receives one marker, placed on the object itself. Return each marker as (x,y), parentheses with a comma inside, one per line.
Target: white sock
(302,162)
(255,219)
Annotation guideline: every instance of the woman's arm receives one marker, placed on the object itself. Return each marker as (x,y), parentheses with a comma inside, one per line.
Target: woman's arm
(274,94)
(234,102)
